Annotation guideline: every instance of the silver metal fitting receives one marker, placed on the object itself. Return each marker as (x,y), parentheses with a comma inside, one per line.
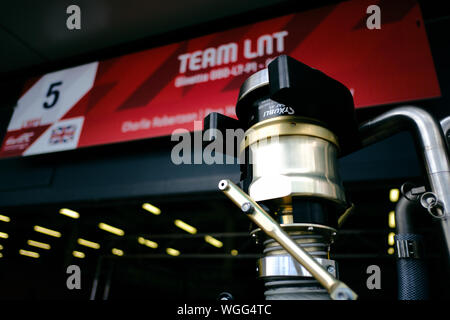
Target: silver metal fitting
(408,249)
(431,202)
(285,265)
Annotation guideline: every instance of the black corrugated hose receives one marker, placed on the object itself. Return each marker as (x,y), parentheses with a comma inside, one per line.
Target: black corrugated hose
(412,271)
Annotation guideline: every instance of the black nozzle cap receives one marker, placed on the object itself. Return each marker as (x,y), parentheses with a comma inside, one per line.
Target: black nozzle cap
(313,94)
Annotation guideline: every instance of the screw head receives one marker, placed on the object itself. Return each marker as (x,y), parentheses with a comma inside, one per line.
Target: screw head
(247,208)
(330,269)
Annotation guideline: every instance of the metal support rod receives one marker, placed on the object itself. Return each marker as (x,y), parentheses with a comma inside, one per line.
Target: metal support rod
(96,279)
(107,287)
(433,148)
(337,289)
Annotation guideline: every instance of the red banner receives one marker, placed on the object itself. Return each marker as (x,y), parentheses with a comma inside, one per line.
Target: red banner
(153,92)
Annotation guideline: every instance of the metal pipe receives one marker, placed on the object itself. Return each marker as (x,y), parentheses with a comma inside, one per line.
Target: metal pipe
(445,124)
(430,138)
(337,289)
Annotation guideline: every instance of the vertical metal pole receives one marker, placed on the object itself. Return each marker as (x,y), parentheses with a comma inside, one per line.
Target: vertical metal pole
(108,282)
(96,279)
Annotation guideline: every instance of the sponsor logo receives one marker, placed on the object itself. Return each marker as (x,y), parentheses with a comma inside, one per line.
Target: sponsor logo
(279,109)
(23,139)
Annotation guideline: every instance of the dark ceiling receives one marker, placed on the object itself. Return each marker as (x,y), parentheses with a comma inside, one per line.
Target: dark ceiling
(34,32)
(34,37)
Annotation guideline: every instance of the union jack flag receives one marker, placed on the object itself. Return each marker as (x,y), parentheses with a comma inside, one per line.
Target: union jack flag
(63,134)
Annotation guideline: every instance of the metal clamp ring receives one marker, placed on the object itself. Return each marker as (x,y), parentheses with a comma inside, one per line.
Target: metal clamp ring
(430,201)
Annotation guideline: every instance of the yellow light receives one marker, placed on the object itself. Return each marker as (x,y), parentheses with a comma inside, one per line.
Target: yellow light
(46,231)
(391,240)
(1,255)
(186,227)
(391,250)
(4,235)
(108,228)
(234,252)
(4,218)
(87,243)
(29,253)
(392,219)
(38,244)
(393,195)
(151,208)
(117,252)
(147,243)
(69,213)
(173,252)
(214,242)
(1,247)
(78,254)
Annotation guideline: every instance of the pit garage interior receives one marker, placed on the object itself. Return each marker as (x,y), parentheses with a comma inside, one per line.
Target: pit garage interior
(111,183)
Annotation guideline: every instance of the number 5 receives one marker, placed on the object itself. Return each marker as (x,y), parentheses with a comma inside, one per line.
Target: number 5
(52,92)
